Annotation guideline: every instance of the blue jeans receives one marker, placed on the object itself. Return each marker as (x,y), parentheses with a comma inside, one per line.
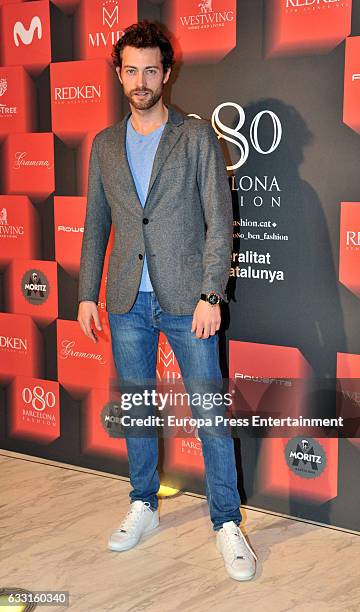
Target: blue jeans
(134,344)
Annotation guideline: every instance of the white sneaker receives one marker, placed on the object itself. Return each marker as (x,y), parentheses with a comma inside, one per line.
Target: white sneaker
(240,559)
(140,520)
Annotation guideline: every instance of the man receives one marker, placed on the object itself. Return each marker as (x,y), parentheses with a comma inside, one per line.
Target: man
(160,177)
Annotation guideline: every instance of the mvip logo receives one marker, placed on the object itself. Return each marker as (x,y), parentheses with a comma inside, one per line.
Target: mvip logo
(19,229)
(349,252)
(17,101)
(167,367)
(69,217)
(26,35)
(351,112)
(305,457)
(29,164)
(296,27)
(193,24)
(35,286)
(99,25)
(77,88)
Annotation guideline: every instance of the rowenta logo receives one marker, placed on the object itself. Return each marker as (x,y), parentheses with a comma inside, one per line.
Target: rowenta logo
(207,17)
(77,94)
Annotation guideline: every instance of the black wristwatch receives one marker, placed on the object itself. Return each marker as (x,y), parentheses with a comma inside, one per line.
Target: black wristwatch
(212,298)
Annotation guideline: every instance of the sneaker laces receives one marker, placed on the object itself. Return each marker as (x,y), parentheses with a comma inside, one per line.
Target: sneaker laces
(131,518)
(238,543)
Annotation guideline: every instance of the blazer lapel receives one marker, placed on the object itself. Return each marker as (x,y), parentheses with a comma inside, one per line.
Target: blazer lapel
(167,141)
(132,199)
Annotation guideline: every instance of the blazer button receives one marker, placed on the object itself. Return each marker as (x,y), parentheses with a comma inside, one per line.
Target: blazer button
(145,221)
(140,256)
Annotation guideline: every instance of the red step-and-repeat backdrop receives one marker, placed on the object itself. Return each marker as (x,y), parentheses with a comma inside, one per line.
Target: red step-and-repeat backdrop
(280,82)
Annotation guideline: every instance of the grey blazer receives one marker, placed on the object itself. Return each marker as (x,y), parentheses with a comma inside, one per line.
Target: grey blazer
(188,233)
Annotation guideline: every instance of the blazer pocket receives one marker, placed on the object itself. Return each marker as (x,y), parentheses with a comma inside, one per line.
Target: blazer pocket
(174,167)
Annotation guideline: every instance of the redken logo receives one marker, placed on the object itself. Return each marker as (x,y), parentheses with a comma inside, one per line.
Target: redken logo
(305,457)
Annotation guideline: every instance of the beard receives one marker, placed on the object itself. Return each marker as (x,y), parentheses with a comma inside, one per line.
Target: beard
(149,100)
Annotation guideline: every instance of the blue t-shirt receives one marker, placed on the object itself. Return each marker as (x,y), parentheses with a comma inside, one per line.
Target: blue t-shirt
(141,151)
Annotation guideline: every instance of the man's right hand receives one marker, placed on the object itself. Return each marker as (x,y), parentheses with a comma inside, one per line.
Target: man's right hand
(88,311)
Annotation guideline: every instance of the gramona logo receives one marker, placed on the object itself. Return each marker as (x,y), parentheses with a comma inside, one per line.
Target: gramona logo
(26,35)
(305,457)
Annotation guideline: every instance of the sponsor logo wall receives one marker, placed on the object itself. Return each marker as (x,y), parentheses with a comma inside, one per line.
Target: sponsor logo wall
(279,81)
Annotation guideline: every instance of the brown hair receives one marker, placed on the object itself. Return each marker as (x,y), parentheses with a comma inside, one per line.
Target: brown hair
(141,35)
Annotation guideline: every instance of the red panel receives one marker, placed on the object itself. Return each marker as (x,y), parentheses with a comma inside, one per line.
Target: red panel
(94,438)
(349,252)
(98,26)
(69,218)
(21,348)
(25,35)
(201,31)
(348,375)
(19,229)
(298,27)
(34,409)
(83,94)
(29,165)
(83,364)
(351,115)
(17,101)
(31,288)
(276,477)
(267,378)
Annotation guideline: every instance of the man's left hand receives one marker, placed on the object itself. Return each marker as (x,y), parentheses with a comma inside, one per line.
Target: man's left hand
(206,319)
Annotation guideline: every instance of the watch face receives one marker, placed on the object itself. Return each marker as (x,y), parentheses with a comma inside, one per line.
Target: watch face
(213,298)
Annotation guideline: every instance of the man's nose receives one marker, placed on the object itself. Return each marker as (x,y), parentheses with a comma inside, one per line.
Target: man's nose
(140,79)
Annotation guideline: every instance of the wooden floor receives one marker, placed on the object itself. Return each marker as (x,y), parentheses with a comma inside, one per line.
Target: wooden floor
(55,522)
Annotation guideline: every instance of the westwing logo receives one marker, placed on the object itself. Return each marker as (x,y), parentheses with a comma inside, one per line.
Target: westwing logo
(206,6)
(26,35)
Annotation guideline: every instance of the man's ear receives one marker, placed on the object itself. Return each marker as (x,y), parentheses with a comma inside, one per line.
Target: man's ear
(167,75)
(118,69)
